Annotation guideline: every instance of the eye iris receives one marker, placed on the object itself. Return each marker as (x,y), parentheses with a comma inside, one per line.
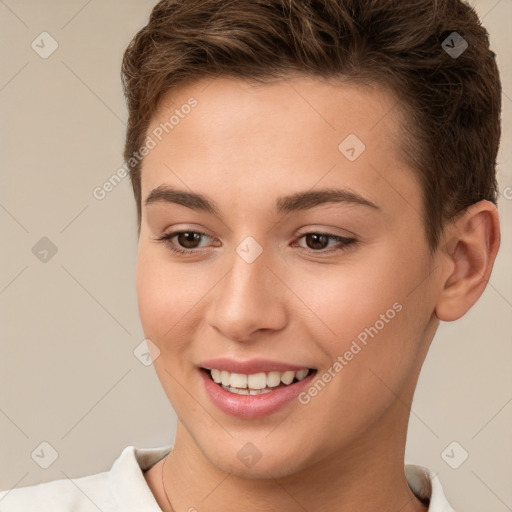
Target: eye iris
(187,237)
(315,238)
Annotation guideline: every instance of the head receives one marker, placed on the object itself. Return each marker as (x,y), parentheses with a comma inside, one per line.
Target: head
(256,109)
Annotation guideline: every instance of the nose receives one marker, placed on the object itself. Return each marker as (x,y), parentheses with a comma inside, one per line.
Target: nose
(250,299)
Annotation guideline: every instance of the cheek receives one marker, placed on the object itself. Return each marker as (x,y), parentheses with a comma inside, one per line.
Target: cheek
(348,298)
(375,312)
(165,296)
(375,325)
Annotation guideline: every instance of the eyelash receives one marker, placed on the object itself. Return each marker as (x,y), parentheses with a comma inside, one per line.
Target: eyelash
(347,242)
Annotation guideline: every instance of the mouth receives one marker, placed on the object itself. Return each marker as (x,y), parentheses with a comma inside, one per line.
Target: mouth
(256,383)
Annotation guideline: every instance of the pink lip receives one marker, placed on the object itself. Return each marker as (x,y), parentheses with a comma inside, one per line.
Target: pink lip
(253,406)
(249,367)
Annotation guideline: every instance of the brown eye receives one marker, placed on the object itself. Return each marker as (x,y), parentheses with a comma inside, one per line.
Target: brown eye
(188,239)
(186,243)
(316,240)
(317,243)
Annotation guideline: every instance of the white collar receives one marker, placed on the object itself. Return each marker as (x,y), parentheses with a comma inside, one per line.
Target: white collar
(425,485)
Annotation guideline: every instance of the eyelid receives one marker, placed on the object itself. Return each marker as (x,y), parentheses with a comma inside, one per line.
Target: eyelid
(327,231)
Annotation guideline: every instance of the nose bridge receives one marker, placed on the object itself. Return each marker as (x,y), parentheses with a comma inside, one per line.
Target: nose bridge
(247,299)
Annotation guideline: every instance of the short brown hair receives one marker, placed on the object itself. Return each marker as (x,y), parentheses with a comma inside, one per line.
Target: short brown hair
(452,103)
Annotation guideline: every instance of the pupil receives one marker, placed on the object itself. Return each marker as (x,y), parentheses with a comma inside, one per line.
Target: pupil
(316,237)
(189,237)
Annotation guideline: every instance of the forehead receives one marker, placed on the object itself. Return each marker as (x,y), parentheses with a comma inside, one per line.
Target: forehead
(295,105)
(241,138)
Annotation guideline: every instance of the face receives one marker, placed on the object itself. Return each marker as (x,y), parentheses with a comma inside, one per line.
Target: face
(305,283)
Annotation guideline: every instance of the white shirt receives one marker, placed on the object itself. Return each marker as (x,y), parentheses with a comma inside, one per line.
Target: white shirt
(124,488)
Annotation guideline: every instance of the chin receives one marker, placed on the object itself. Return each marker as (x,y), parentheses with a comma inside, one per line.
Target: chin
(258,458)
(267,467)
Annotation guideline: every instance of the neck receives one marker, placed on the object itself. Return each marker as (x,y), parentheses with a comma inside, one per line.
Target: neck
(367,475)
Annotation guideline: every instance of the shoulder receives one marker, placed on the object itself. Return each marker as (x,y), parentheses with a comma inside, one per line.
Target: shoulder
(78,494)
(122,488)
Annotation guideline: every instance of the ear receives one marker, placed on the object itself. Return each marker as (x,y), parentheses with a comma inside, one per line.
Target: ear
(470,244)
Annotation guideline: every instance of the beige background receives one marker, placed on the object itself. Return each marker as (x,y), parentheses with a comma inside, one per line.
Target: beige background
(68,374)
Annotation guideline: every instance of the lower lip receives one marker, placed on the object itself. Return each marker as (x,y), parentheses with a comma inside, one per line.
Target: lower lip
(253,406)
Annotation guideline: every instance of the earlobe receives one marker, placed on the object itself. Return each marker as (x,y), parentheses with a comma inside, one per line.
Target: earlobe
(474,239)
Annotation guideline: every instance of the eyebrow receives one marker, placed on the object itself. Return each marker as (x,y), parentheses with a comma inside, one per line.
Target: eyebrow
(292,203)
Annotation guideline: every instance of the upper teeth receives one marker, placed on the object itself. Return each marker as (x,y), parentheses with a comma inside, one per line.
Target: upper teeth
(256,380)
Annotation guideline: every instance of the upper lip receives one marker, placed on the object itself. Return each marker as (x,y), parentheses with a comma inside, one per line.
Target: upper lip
(250,366)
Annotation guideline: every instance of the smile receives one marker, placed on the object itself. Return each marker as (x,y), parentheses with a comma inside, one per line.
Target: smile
(256,383)
(254,388)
